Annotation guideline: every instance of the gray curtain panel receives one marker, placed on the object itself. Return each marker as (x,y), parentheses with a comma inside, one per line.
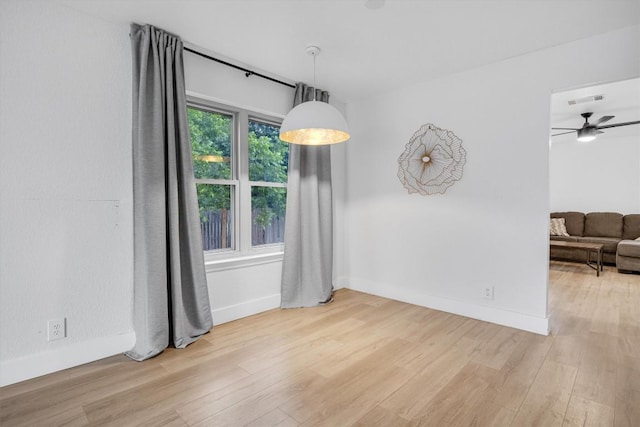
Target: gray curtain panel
(171,300)
(308,239)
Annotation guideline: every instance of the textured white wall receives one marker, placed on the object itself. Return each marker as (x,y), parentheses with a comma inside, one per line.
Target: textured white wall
(231,86)
(491,228)
(65,186)
(600,176)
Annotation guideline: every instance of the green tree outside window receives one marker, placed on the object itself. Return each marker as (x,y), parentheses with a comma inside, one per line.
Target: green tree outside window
(214,144)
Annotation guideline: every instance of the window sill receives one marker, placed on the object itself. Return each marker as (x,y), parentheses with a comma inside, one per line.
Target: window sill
(214,265)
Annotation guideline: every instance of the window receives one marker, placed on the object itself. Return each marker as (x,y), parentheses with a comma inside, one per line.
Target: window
(268,164)
(240,167)
(211,146)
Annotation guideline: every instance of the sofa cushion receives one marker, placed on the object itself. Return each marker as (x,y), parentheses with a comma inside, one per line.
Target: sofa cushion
(603,224)
(631,227)
(564,238)
(557,227)
(573,221)
(610,244)
(629,248)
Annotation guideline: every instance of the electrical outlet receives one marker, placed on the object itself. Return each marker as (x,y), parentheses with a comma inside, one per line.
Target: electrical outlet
(488,292)
(56,329)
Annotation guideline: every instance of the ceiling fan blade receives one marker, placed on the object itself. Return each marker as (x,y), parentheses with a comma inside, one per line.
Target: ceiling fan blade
(564,128)
(563,133)
(597,131)
(602,120)
(615,125)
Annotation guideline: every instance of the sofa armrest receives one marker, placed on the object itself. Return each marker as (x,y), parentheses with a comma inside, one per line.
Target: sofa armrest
(629,248)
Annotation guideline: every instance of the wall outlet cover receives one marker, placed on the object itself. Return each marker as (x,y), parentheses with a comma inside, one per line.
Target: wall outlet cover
(488,292)
(56,329)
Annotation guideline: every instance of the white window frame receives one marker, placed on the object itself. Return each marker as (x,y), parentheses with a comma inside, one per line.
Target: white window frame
(242,253)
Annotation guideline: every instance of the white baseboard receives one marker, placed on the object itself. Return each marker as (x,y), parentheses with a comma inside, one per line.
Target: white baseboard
(35,365)
(525,322)
(245,309)
(32,366)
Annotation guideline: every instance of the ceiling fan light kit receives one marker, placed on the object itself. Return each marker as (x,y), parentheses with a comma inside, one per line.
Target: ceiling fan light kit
(586,134)
(314,122)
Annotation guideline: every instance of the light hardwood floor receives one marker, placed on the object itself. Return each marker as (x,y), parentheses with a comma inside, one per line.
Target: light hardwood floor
(369,361)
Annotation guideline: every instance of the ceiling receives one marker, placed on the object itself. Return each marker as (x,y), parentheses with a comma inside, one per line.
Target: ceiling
(364,50)
(620,99)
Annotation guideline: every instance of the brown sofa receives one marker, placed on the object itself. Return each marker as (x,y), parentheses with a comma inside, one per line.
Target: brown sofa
(616,232)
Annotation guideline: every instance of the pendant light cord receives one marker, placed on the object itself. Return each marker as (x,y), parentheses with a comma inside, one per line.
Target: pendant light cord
(314,76)
(313,51)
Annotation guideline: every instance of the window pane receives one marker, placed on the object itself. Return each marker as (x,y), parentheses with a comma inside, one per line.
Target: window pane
(211,135)
(267,215)
(216,216)
(268,155)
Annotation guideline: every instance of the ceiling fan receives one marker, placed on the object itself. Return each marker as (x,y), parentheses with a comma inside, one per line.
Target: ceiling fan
(589,131)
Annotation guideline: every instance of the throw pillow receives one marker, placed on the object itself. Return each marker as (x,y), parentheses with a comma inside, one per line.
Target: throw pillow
(557,227)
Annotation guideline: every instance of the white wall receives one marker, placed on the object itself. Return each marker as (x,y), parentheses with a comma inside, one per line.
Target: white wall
(65,188)
(230,86)
(600,176)
(490,228)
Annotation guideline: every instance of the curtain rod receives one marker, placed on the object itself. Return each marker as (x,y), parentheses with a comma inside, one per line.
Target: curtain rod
(247,72)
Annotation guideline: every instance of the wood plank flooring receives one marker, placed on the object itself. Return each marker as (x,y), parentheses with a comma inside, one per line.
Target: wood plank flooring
(369,361)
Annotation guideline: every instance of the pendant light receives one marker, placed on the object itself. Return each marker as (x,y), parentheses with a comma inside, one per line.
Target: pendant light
(314,122)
